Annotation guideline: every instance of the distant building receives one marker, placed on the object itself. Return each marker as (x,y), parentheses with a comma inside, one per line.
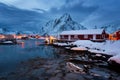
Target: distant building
(2,36)
(92,34)
(115,36)
(10,36)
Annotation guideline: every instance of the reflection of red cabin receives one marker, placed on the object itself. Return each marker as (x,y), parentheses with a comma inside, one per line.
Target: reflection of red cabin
(93,34)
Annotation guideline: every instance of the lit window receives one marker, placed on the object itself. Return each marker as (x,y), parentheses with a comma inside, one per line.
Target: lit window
(114,35)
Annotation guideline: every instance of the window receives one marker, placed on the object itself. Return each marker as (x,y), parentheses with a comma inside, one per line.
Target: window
(62,36)
(75,36)
(119,32)
(85,36)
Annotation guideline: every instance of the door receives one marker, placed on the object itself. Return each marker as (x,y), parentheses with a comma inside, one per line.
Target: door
(69,37)
(94,37)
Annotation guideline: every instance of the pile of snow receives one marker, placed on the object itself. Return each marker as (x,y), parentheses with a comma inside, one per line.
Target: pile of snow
(74,68)
(79,49)
(60,44)
(63,44)
(96,51)
(108,47)
(115,58)
(83,43)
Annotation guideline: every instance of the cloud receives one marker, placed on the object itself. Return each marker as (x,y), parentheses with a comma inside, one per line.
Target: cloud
(31,4)
(107,13)
(74,7)
(86,12)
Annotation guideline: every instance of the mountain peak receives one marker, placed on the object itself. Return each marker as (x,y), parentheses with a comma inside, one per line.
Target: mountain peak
(66,17)
(63,23)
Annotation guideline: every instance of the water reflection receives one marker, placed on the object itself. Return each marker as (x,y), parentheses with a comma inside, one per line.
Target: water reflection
(22,45)
(12,55)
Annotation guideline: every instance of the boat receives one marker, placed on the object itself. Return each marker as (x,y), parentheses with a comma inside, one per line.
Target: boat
(7,43)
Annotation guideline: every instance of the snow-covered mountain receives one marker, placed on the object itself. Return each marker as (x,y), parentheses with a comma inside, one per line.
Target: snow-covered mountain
(3,30)
(63,23)
(15,19)
(7,31)
(112,27)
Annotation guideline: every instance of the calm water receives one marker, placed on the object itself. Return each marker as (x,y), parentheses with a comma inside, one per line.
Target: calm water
(12,55)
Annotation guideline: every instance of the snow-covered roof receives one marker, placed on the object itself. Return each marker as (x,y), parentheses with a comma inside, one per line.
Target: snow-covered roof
(89,31)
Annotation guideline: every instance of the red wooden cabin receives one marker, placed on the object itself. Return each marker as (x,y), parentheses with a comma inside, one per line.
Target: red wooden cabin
(115,36)
(92,34)
(118,35)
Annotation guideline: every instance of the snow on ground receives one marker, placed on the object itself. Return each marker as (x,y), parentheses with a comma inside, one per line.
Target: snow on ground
(79,49)
(115,58)
(60,44)
(96,51)
(108,47)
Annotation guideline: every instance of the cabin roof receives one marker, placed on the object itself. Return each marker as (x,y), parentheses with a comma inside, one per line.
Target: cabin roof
(89,31)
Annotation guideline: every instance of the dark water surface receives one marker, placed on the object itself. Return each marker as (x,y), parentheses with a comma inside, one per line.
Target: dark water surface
(39,59)
(12,55)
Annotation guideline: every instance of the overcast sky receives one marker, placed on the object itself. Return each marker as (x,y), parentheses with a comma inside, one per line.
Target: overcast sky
(86,12)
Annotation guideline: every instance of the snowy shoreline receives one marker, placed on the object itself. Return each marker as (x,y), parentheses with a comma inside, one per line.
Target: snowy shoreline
(108,48)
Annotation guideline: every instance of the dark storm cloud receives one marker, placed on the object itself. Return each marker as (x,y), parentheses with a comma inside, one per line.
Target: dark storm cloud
(77,10)
(87,12)
(107,13)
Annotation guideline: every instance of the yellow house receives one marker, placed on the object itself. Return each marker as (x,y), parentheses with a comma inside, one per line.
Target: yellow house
(50,39)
